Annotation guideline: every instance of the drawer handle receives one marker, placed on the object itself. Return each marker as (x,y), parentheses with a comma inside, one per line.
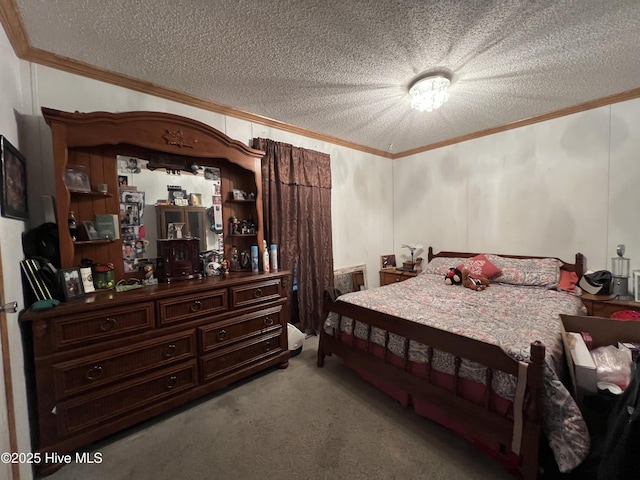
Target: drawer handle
(257,293)
(268,321)
(222,334)
(397,279)
(196,306)
(173,380)
(171,350)
(267,346)
(108,324)
(94,372)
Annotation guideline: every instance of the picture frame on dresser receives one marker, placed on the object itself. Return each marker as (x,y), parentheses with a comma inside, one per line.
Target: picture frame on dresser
(77,178)
(387,261)
(14,181)
(636,285)
(71,283)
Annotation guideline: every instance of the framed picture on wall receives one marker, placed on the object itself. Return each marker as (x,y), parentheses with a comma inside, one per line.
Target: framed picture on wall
(14,181)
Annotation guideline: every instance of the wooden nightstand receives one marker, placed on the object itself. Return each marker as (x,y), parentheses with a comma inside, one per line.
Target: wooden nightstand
(605,305)
(391,275)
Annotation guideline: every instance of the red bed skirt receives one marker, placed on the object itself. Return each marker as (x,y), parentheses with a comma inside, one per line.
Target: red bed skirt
(467,389)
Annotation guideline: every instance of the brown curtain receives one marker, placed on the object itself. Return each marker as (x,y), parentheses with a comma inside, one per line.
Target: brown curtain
(296,186)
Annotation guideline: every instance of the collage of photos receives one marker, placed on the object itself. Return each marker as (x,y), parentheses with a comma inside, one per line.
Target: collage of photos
(132,230)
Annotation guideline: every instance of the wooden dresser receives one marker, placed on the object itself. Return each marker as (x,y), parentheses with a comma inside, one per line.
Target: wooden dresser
(391,275)
(112,359)
(606,305)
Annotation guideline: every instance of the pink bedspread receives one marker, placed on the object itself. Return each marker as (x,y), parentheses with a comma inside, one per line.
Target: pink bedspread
(506,315)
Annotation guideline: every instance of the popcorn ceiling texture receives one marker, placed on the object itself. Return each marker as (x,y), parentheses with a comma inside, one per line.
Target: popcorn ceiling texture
(342,67)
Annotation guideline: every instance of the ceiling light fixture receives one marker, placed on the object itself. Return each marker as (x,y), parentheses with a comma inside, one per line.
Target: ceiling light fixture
(429,92)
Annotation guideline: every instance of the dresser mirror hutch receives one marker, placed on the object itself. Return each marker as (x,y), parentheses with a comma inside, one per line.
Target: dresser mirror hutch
(111,359)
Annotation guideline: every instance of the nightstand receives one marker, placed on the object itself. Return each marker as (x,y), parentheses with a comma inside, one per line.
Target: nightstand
(605,305)
(391,275)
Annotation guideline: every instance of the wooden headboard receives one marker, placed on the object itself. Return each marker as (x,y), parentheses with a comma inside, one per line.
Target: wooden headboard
(579,266)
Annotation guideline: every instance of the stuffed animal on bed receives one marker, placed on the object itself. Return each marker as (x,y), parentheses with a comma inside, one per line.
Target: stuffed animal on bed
(453,277)
(474,283)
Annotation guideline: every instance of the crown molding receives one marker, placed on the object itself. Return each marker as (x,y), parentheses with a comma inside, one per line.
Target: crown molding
(600,102)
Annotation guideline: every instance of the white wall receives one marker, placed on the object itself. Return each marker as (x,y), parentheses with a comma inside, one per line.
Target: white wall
(14,101)
(554,188)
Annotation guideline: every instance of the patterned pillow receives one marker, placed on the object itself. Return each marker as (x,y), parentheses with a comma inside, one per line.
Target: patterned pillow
(441,265)
(480,265)
(535,272)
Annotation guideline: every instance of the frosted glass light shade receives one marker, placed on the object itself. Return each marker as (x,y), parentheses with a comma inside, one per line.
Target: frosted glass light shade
(429,93)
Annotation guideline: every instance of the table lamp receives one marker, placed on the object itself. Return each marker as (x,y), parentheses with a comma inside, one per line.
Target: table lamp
(412,248)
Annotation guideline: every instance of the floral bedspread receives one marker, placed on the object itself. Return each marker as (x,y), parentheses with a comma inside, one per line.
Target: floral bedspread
(510,316)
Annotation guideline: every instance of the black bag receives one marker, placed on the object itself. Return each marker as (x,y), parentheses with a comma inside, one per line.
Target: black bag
(621,452)
(42,242)
(597,283)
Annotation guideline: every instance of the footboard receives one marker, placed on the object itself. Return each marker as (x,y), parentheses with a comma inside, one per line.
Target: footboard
(518,434)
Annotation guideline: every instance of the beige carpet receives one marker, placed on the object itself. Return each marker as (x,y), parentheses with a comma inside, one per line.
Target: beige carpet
(302,422)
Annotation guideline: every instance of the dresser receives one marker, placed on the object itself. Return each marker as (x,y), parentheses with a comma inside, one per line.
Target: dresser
(392,275)
(606,305)
(109,360)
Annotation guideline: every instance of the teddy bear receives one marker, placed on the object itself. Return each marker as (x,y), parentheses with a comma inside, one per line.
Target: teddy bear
(474,283)
(453,277)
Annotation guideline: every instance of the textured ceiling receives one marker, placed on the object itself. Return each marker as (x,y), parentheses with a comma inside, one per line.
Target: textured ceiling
(341,67)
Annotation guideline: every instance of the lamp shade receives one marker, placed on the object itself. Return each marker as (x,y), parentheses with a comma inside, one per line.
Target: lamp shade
(430,92)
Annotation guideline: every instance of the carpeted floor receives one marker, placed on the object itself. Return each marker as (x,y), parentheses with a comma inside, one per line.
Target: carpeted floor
(302,422)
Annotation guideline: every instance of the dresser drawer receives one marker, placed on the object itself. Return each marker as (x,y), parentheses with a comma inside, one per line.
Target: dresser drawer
(234,358)
(240,328)
(92,409)
(104,324)
(255,293)
(192,306)
(84,373)
(389,276)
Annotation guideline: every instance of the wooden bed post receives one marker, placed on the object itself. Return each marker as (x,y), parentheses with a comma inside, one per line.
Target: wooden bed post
(533,415)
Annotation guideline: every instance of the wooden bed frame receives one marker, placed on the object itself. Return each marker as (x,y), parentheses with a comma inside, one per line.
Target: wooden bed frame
(489,425)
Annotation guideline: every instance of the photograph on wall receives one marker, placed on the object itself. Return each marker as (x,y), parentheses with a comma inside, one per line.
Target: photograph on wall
(128,165)
(129,214)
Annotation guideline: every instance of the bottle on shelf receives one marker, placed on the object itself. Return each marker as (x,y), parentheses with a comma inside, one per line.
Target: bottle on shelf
(254,258)
(234,259)
(265,257)
(273,255)
(73,226)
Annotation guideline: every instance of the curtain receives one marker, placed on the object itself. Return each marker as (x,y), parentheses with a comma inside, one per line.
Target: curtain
(296,187)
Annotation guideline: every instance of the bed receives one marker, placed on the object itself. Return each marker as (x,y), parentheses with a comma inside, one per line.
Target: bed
(488,364)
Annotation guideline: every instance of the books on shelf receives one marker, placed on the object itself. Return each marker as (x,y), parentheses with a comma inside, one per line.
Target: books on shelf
(108,226)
